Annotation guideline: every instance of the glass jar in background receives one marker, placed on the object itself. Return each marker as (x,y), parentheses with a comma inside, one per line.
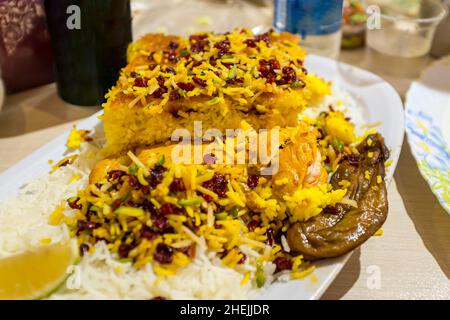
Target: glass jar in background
(317,22)
(441,41)
(406,28)
(89,40)
(353,24)
(185,17)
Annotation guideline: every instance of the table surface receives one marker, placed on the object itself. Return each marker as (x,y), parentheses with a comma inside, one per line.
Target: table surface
(411,260)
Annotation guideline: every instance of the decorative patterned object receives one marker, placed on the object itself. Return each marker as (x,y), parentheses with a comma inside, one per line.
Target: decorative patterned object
(16,21)
(25,49)
(427,123)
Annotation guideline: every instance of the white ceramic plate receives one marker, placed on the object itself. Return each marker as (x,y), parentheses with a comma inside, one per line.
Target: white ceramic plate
(427,122)
(379,103)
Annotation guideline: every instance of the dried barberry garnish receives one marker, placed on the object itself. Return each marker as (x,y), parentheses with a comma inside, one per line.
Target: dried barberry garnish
(148,206)
(198,46)
(116,203)
(156,175)
(145,190)
(274,64)
(84,248)
(163,253)
(197,37)
(252,181)
(205,196)
(173,45)
(86,225)
(148,233)
(264,37)
(250,43)
(186,86)
(270,234)
(74,203)
(140,82)
(189,251)
(288,76)
(162,88)
(200,82)
(172,56)
(282,264)
(116,174)
(252,225)
(266,69)
(134,182)
(161,81)
(235,81)
(218,184)
(160,222)
(174,95)
(166,209)
(123,250)
(177,185)
(171,70)
(242,260)
(196,63)
(223,45)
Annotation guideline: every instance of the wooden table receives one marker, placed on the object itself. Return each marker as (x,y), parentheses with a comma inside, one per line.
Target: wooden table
(411,260)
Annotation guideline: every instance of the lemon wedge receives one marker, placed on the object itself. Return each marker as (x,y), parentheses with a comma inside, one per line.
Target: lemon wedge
(38,273)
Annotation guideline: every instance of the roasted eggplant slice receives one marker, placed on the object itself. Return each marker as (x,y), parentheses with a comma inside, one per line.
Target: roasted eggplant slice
(340,229)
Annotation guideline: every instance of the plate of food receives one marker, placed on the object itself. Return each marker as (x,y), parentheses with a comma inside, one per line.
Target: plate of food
(223,166)
(426,121)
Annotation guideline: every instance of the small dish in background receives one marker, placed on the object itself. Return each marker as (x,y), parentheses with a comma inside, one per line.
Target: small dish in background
(427,115)
(353,24)
(406,27)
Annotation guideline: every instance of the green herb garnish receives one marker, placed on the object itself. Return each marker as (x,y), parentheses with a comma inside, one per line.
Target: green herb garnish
(161,160)
(190,202)
(221,215)
(297,84)
(213,101)
(129,211)
(227,56)
(235,211)
(133,168)
(338,145)
(232,72)
(184,52)
(94,208)
(259,276)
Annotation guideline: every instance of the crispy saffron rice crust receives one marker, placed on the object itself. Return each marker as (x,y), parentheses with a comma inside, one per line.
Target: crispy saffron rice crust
(217,79)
